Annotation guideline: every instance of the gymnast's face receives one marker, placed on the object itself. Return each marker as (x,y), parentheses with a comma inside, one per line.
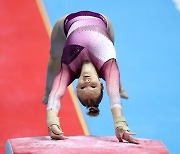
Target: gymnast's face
(88,85)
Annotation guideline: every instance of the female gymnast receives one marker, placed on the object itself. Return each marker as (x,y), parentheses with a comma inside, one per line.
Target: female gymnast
(82,47)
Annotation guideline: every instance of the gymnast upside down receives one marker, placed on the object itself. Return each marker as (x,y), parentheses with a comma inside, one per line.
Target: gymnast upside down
(82,46)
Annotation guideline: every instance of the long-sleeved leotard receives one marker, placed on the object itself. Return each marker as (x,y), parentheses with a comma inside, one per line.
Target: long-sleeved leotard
(87,39)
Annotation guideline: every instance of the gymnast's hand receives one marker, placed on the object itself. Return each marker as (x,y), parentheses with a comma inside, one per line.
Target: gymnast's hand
(56,132)
(126,135)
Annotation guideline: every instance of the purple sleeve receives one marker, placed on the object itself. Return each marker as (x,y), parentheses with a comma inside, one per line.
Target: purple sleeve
(60,83)
(110,73)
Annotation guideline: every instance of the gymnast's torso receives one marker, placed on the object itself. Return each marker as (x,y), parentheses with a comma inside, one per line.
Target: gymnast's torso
(87,39)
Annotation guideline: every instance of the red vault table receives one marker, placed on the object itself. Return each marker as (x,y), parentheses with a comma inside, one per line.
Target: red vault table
(82,145)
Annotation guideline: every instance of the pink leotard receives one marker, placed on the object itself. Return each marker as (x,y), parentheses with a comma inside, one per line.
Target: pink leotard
(87,39)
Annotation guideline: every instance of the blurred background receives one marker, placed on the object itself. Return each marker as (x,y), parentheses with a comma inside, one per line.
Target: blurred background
(147,41)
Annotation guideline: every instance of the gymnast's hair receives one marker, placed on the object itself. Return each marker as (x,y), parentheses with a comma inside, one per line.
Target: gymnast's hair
(92,104)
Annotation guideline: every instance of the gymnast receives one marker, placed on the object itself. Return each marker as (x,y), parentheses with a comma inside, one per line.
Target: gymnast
(82,47)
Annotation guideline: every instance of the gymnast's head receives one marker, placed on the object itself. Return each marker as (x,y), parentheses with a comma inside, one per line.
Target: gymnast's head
(89,88)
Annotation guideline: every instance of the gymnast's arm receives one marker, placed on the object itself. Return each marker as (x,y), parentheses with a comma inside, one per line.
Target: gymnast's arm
(57,43)
(110,73)
(62,80)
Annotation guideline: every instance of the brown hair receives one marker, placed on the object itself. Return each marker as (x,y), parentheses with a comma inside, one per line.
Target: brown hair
(92,104)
